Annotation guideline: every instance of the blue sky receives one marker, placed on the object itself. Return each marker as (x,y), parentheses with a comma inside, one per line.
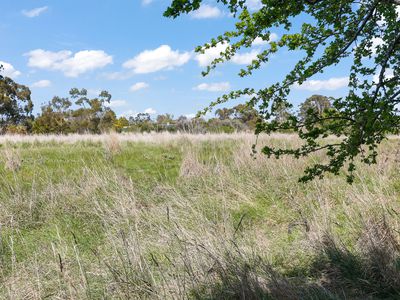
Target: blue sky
(127,47)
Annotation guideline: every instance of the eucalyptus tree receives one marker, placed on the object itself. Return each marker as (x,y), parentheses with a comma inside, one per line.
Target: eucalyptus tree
(93,114)
(316,104)
(15,103)
(367,33)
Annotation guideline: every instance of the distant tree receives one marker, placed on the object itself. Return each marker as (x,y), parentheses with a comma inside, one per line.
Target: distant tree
(246,114)
(61,105)
(140,118)
(315,105)
(184,124)
(51,121)
(120,124)
(165,122)
(216,125)
(55,117)
(165,119)
(283,114)
(15,104)
(108,120)
(224,113)
(93,115)
(77,113)
(141,123)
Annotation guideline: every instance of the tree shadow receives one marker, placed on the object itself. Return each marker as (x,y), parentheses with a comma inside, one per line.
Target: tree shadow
(372,271)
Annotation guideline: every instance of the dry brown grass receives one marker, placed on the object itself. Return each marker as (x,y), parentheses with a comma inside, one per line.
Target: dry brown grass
(231,227)
(11,159)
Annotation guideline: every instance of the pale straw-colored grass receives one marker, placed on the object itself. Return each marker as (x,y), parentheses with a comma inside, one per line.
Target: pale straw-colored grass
(153,137)
(232,226)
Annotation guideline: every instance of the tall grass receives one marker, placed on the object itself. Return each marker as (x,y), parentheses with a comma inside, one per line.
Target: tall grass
(192,217)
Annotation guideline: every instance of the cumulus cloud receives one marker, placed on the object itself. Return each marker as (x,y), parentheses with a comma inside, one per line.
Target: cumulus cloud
(41,84)
(34,12)
(9,70)
(190,116)
(150,111)
(388,74)
(204,59)
(245,58)
(376,42)
(134,113)
(72,65)
(139,86)
(330,84)
(260,42)
(206,12)
(162,58)
(253,4)
(146,2)
(129,113)
(213,87)
(116,103)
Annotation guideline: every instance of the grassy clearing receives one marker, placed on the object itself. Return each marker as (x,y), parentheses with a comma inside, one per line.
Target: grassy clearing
(128,217)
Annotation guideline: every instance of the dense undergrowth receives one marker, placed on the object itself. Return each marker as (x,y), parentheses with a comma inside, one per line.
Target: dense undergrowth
(193,218)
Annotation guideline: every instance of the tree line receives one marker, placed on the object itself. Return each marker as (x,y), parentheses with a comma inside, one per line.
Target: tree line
(79,113)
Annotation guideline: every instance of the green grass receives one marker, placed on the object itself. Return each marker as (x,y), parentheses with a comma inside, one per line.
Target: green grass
(147,164)
(192,219)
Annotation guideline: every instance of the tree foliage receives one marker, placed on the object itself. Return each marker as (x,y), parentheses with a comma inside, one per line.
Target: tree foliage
(15,103)
(77,113)
(316,104)
(365,32)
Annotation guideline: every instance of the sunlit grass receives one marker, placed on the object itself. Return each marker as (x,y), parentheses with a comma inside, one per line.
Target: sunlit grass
(180,216)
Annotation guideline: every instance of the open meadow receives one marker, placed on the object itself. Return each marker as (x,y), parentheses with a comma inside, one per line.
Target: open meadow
(179,216)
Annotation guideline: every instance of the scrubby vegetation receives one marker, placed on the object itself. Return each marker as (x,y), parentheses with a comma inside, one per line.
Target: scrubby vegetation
(164,216)
(79,113)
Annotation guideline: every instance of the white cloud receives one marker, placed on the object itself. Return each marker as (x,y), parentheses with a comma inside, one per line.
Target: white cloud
(134,113)
(139,86)
(150,111)
(388,74)
(72,65)
(206,12)
(162,58)
(116,103)
(259,41)
(213,87)
(205,59)
(146,2)
(376,42)
(190,116)
(41,84)
(330,84)
(253,4)
(94,92)
(46,59)
(129,113)
(9,70)
(34,12)
(245,58)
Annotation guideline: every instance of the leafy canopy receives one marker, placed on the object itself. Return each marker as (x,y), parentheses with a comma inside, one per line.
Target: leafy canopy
(76,113)
(366,32)
(15,103)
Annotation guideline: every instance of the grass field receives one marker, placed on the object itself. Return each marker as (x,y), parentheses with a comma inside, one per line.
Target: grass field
(164,216)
